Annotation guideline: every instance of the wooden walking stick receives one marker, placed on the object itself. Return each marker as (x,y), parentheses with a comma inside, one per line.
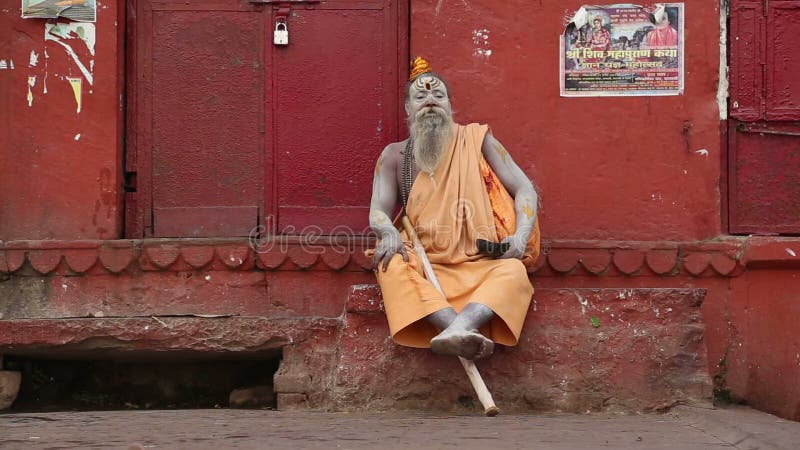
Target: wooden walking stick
(485,397)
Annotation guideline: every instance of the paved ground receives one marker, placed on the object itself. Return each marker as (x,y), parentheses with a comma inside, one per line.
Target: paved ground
(683,428)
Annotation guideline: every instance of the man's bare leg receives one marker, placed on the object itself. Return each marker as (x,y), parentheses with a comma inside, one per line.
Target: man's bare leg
(442,318)
(460,334)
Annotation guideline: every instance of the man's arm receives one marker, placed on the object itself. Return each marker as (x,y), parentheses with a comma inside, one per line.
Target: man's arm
(384,199)
(526,201)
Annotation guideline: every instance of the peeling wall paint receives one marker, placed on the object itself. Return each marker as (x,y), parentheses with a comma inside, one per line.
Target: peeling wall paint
(31,84)
(58,196)
(63,33)
(480,41)
(723,85)
(44,81)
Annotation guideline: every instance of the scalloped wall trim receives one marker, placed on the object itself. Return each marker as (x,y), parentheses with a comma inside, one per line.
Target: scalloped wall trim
(723,257)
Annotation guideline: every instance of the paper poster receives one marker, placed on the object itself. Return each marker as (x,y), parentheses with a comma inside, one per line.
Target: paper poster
(78,10)
(623,49)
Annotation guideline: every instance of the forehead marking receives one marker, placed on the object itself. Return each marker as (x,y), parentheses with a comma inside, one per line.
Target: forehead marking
(427,83)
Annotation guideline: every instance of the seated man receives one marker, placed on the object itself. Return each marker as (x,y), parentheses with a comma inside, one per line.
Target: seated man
(438,175)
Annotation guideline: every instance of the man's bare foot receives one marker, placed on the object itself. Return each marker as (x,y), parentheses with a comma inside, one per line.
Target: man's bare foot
(464,343)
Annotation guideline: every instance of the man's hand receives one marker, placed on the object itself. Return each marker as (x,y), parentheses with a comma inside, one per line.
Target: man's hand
(517,242)
(516,247)
(389,245)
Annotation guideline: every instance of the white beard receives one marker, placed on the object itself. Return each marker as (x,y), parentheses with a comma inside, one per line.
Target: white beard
(430,133)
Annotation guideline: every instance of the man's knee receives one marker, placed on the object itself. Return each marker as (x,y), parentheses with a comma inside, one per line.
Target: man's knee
(514,266)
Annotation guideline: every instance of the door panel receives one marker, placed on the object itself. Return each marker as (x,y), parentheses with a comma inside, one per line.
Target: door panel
(747,28)
(783,63)
(337,62)
(207,131)
(765,179)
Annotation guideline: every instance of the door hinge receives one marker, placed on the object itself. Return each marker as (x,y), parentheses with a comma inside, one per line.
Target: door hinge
(742,128)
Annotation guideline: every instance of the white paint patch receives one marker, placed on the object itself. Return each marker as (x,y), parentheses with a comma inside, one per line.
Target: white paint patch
(791,252)
(11,64)
(44,81)
(702,152)
(723,85)
(3,64)
(439,6)
(34,59)
(584,303)
(480,39)
(78,137)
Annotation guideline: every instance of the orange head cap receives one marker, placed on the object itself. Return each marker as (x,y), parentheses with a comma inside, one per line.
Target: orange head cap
(419,66)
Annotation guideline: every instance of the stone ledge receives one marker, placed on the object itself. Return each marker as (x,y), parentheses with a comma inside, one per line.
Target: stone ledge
(772,252)
(644,351)
(597,349)
(153,336)
(559,258)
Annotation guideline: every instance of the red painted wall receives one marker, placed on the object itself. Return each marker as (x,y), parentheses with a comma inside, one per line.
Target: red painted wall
(762,358)
(608,168)
(56,184)
(621,168)
(624,169)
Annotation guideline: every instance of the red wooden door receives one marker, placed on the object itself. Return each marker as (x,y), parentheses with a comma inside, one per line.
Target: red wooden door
(764,125)
(228,131)
(336,107)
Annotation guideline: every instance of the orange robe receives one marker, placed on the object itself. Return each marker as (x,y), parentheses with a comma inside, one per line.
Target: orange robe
(450,210)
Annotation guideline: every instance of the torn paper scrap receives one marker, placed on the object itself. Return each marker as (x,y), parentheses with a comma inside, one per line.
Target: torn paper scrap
(78,10)
(76,89)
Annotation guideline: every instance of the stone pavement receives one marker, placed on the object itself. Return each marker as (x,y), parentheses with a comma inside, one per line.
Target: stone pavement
(682,428)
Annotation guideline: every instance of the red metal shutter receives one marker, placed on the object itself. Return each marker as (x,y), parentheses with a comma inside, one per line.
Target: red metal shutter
(230,131)
(764,148)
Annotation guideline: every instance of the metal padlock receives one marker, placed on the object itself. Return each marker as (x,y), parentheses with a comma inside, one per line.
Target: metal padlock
(281,35)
